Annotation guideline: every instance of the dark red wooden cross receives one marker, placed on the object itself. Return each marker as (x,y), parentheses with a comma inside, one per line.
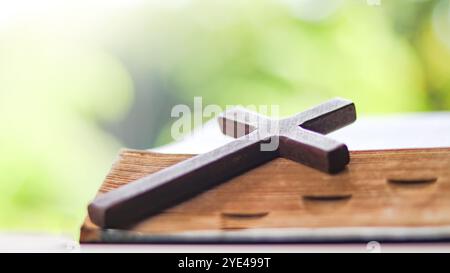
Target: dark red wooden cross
(259,139)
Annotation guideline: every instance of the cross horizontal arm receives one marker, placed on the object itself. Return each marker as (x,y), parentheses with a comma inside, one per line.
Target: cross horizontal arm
(314,150)
(326,117)
(154,193)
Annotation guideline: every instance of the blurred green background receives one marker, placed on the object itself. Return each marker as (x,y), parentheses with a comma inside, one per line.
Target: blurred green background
(80,79)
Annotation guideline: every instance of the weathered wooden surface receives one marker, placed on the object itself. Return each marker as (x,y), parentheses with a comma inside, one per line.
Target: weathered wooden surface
(392,188)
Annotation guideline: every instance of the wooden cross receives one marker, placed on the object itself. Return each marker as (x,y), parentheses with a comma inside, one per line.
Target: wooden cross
(299,138)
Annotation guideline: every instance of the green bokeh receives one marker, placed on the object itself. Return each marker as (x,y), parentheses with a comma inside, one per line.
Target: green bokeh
(60,80)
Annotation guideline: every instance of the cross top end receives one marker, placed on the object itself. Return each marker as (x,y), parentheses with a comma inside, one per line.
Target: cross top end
(299,137)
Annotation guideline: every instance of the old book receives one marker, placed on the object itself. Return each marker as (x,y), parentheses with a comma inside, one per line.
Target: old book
(394,195)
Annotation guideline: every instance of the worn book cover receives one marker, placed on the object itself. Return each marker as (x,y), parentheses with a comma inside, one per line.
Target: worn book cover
(389,195)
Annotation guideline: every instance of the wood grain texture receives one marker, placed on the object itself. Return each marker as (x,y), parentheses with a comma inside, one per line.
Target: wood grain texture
(285,194)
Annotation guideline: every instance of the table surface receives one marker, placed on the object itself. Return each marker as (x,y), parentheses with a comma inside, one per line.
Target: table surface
(417,130)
